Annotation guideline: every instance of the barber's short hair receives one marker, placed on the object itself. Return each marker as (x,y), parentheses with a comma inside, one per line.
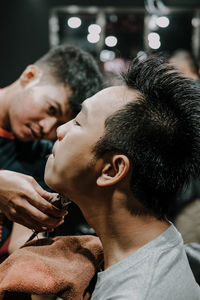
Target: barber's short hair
(75,67)
(159,132)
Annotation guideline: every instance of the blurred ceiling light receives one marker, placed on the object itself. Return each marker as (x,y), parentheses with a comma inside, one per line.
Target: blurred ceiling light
(94,28)
(153,36)
(74,22)
(106,55)
(195,22)
(154,40)
(111,41)
(154,44)
(93,38)
(162,22)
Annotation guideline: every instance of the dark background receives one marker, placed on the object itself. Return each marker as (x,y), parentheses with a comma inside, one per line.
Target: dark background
(24,30)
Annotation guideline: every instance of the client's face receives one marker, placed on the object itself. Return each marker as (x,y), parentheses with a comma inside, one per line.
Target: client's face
(71,169)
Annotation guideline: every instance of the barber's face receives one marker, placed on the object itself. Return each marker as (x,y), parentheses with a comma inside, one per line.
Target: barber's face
(71,168)
(39,109)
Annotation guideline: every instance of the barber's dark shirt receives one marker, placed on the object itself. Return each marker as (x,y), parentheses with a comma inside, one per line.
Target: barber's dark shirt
(27,158)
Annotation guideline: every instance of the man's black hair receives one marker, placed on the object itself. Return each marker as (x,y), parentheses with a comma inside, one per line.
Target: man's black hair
(159,132)
(75,67)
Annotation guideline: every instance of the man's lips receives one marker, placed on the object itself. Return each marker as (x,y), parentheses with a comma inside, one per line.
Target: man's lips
(35,134)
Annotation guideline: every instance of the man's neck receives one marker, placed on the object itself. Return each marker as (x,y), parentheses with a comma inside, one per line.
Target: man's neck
(122,234)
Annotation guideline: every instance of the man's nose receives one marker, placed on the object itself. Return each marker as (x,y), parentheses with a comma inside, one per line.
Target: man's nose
(62,130)
(47,125)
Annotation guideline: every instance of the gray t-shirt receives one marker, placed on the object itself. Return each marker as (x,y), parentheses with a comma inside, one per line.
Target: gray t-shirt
(157,271)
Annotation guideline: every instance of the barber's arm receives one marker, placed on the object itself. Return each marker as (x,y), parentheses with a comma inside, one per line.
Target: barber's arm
(24,201)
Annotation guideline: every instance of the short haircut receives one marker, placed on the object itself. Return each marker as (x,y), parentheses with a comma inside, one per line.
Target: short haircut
(159,132)
(75,67)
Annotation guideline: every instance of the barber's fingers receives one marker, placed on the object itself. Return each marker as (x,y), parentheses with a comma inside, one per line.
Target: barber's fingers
(31,217)
(36,200)
(43,193)
(40,198)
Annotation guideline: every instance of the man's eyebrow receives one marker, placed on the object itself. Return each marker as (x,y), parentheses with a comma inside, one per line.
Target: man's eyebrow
(58,106)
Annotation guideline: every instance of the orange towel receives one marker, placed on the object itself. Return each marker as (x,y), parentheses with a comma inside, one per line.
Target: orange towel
(62,266)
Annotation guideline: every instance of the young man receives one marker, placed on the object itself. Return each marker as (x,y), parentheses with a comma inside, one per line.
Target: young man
(121,160)
(46,95)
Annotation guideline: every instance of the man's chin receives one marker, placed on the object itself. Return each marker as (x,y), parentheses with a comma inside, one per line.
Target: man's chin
(49,183)
(54,185)
(23,138)
(48,177)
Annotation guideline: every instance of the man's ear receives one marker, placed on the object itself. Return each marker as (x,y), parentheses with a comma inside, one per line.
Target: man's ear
(30,75)
(114,171)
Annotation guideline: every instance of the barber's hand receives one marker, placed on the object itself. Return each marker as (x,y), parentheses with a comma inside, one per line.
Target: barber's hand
(24,201)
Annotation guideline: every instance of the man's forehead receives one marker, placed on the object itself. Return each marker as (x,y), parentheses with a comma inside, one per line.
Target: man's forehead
(120,92)
(111,98)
